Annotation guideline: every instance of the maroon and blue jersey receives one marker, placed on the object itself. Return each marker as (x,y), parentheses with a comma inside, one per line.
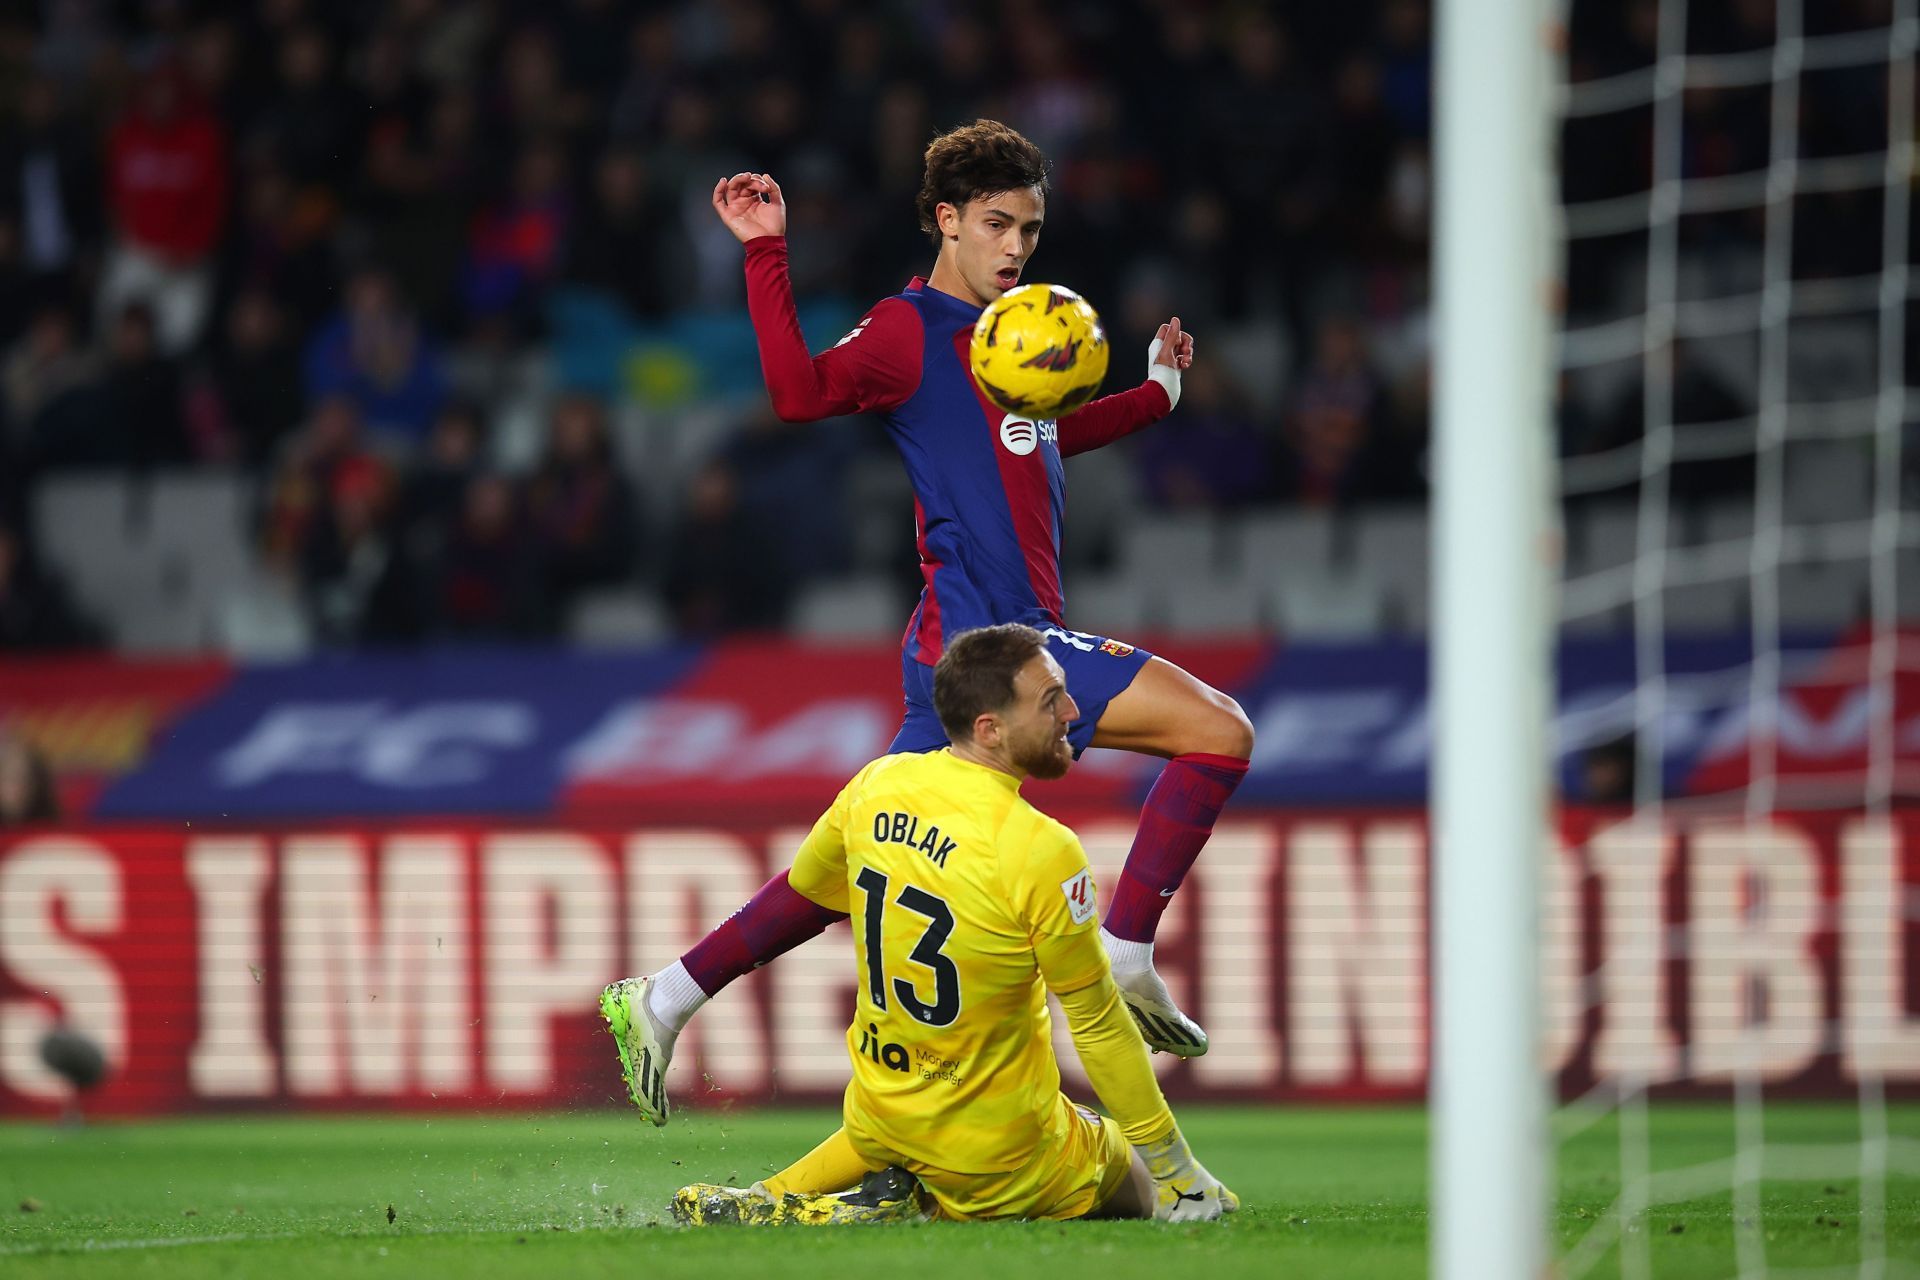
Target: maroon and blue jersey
(989,490)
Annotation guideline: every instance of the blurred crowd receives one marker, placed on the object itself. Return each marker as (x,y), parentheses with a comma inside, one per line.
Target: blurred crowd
(273,235)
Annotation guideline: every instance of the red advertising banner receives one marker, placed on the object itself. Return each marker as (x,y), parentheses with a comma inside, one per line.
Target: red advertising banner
(429,965)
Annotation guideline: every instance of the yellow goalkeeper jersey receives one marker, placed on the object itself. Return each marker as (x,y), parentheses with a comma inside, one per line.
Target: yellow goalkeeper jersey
(967,905)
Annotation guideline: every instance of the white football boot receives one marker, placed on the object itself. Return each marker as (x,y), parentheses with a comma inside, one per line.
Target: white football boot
(645,1043)
(1162,1025)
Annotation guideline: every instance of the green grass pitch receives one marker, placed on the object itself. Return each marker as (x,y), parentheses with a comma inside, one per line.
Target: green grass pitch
(1328,1193)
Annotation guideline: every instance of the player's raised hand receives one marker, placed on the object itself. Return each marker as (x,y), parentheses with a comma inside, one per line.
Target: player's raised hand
(751,205)
(1172,346)
(1170,352)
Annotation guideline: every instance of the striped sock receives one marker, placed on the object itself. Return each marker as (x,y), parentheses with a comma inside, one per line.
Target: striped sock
(1174,825)
(775,921)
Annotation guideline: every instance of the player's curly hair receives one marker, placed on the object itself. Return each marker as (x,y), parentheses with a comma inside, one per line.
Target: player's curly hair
(975,674)
(979,159)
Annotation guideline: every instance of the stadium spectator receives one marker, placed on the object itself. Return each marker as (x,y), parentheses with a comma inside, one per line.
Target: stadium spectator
(433,491)
(792,476)
(421,533)
(128,410)
(720,575)
(346,559)
(1276,180)
(616,248)
(282,244)
(221,76)
(590,37)
(654,66)
(1211,455)
(489,580)
(1363,164)
(514,248)
(141,398)
(533,100)
(256,377)
(418,192)
(312,460)
(889,248)
(391,96)
(16,291)
(167,182)
(1406,52)
(51,379)
(27,793)
(580,510)
(50,193)
(375,351)
(1333,440)
(35,610)
(693,144)
(309,124)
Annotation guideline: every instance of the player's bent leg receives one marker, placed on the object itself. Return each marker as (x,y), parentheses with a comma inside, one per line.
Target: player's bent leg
(773,922)
(1207,741)
(1126,1185)
(1135,1195)
(1081,1170)
(832,1167)
(1166,711)
(646,1015)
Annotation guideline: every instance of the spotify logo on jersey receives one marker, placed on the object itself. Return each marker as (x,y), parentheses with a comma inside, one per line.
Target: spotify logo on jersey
(1023,435)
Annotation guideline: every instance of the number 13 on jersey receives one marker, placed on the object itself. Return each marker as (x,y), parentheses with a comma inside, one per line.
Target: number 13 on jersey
(935,918)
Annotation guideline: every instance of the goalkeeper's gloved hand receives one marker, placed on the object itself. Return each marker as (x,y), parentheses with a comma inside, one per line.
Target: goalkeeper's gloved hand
(1170,352)
(1183,1189)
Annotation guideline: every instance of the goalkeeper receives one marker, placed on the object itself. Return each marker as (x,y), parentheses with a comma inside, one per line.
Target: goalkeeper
(968,906)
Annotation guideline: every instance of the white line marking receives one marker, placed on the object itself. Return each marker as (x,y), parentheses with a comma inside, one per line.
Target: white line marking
(266,1237)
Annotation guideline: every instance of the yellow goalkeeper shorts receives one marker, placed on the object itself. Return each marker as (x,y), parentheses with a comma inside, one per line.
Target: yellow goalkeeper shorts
(1074,1174)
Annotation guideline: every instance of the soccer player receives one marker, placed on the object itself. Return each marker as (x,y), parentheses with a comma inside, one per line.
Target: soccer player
(988,504)
(970,905)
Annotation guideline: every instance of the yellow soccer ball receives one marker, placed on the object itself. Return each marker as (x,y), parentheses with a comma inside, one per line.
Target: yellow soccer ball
(1039,351)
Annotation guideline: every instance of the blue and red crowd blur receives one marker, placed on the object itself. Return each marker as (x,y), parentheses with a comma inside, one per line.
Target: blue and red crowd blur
(271,235)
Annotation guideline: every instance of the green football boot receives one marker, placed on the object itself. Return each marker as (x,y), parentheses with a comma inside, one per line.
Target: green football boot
(646,1047)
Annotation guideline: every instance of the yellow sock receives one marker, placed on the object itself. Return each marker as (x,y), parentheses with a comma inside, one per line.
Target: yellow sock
(832,1166)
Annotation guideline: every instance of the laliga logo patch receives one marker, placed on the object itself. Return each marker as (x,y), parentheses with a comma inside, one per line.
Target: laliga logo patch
(1079,891)
(1023,435)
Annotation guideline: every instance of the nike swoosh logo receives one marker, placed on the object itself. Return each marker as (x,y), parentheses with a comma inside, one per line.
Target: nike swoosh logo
(1166,893)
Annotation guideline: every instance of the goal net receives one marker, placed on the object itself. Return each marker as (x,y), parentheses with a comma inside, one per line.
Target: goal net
(1736,368)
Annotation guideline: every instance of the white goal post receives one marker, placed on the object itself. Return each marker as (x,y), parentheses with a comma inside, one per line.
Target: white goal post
(1493,631)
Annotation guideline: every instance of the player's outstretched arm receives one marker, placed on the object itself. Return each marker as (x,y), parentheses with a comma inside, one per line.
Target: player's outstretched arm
(1112,1053)
(1117,416)
(1115,1059)
(874,368)
(1053,893)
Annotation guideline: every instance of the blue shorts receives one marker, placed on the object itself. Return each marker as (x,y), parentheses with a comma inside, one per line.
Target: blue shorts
(1097,670)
